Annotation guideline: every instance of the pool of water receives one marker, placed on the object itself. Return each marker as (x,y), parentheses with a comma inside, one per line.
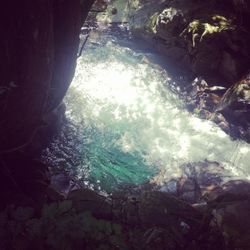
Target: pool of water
(132,126)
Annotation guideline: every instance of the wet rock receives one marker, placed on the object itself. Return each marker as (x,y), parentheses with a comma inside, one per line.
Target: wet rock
(114,11)
(177,55)
(196,180)
(163,209)
(162,32)
(234,108)
(235,188)
(206,61)
(225,127)
(231,210)
(238,93)
(63,183)
(188,190)
(131,210)
(233,220)
(204,114)
(170,187)
(206,44)
(88,200)
(170,21)
(228,67)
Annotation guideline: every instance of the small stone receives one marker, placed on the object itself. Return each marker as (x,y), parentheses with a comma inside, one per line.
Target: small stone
(114,11)
(170,187)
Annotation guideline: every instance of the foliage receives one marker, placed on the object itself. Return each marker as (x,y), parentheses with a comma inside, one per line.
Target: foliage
(59,226)
(163,17)
(152,23)
(199,28)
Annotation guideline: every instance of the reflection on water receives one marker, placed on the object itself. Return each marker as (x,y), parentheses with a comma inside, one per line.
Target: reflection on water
(133,126)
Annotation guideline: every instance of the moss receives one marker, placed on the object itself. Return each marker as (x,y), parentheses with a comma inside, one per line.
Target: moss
(196,111)
(199,29)
(152,23)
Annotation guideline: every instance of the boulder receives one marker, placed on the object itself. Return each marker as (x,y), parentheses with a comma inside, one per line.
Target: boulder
(158,208)
(203,38)
(88,200)
(231,209)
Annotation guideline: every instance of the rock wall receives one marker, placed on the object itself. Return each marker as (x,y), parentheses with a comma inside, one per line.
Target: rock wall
(38,51)
(204,38)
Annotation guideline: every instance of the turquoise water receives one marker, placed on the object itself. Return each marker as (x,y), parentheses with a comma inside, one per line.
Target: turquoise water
(108,165)
(133,128)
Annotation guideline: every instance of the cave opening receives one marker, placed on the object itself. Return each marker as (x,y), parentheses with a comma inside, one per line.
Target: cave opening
(135,138)
(130,123)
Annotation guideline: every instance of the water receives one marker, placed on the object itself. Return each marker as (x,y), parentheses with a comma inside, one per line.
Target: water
(133,126)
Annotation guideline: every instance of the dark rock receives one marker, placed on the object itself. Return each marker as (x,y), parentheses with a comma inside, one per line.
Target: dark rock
(228,67)
(206,61)
(231,210)
(170,22)
(51,126)
(61,182)
(22,175)
(38,51)
(188,190)
(235,188)
(88,200)
(163,209)
(170,187)
(114,11)
(215,47)
(204,114)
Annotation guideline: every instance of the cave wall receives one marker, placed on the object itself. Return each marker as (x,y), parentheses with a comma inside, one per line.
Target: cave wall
(38,49)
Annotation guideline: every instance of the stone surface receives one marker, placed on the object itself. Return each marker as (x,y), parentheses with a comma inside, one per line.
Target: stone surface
(162,209)
(88,200)
(38,52)
(199,37)
(231,209)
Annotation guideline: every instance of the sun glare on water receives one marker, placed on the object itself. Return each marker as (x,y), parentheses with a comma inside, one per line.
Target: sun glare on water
(117,93)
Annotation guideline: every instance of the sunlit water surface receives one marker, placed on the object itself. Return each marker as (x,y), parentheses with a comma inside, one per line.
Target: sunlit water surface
(134,126)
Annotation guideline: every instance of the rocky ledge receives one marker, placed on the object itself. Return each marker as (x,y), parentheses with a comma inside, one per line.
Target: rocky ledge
(208,43)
